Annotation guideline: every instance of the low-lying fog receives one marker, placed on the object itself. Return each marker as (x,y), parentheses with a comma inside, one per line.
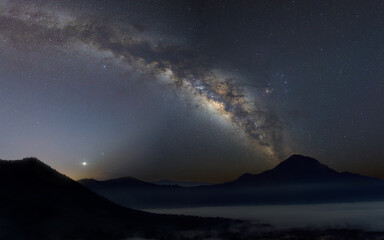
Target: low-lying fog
(362,215)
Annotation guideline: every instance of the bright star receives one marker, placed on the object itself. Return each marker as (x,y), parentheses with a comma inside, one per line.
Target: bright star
(268,90)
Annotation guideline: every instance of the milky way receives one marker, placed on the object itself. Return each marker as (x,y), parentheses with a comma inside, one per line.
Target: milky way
(24,25)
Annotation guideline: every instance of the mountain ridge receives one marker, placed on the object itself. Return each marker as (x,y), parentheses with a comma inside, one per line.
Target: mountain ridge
(182,183)
(299,169)
(38,202)
(299,179)
(288,166)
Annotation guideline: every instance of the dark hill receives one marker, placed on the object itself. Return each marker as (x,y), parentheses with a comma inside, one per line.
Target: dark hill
(37,202)
(299,169)
(137,193)
(124,182)
(182,183)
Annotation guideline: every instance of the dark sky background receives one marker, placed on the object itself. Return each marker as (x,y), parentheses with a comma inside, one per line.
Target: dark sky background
(192,90)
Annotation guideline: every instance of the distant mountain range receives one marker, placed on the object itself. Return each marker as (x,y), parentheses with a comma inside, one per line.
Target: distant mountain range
(298,179)
(182,184)
(37,202)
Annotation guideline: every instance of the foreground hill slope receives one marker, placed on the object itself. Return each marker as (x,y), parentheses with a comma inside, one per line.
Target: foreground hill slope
(298,179)
(37,202)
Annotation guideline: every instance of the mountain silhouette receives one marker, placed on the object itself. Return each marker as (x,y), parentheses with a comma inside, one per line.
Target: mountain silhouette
(299,179)
(182,183)
(37,202)
(299,169)
(128,182)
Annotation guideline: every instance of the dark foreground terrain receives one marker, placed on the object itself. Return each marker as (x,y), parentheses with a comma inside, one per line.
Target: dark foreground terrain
(37,202)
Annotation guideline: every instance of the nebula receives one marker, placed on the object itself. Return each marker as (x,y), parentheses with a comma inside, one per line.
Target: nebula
(24,25)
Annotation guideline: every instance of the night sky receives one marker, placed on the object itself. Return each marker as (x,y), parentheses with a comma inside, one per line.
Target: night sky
(191,90)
